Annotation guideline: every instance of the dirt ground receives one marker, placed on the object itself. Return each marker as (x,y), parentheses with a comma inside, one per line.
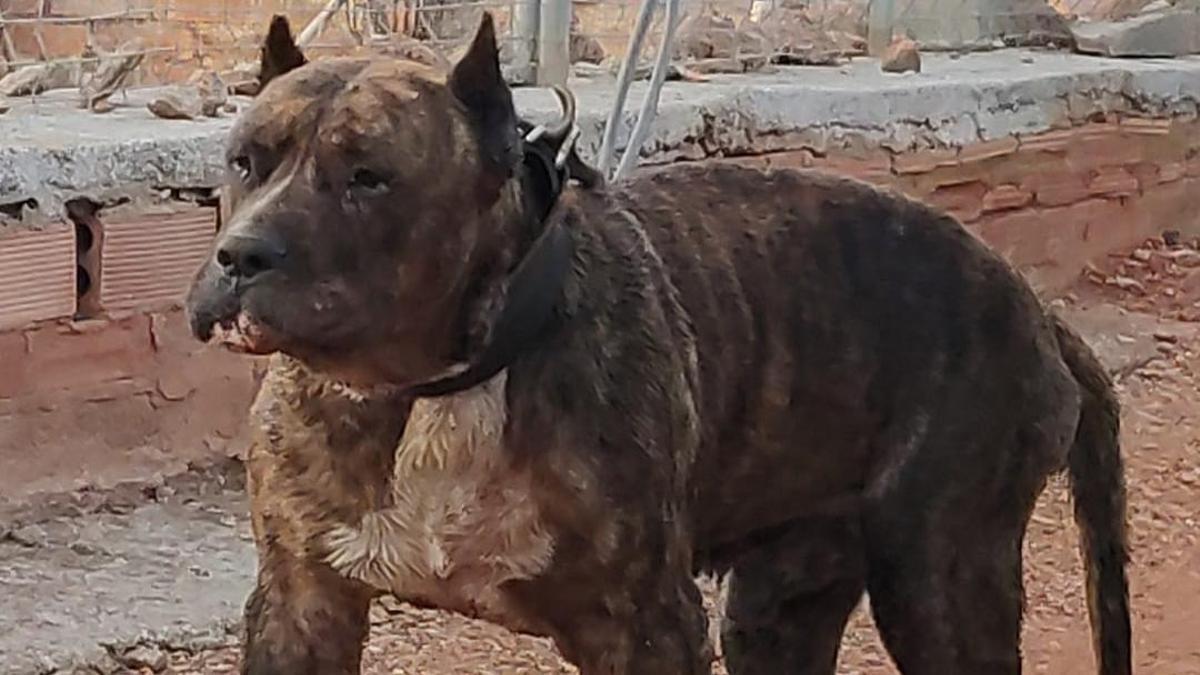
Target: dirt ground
(1161,436)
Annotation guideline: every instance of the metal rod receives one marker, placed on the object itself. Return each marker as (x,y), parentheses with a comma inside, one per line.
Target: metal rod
(879,26)
(641,129)
(129,14)
(525,39)
(317,24)
(624,80)
(554,42)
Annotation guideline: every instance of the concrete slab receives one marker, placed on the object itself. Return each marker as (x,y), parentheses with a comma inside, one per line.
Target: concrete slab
(51,151)
(90,576)
(1171,32)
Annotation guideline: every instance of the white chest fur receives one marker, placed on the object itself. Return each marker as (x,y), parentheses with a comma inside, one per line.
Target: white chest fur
(462,522)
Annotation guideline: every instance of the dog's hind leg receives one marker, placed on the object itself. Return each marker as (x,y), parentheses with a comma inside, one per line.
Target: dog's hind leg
(944,554)
(790,596)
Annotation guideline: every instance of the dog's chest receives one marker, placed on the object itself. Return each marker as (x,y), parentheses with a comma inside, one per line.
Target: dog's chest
(462,522)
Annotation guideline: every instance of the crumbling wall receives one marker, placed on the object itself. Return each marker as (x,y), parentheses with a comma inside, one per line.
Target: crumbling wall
(1051,202)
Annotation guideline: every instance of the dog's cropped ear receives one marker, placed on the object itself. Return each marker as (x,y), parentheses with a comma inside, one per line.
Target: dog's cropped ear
(477,83)
(279,52)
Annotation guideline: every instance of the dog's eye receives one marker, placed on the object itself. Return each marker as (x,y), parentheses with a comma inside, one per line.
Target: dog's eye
(241,166)
(365,179)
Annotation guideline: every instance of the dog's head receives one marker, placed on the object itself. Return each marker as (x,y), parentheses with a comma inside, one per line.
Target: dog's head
(374,200)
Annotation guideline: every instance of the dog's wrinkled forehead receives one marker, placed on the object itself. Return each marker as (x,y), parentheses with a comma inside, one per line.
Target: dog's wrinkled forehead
(357,107)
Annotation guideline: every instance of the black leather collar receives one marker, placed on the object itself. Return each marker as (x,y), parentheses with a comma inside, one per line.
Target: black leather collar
(536,285)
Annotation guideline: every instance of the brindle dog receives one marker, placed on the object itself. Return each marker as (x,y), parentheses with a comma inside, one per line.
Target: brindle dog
(553,407)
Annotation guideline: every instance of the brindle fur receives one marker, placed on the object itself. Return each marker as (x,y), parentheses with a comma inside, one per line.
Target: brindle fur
(797,379)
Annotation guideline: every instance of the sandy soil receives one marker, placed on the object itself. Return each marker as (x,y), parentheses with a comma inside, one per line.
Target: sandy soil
(1162,447)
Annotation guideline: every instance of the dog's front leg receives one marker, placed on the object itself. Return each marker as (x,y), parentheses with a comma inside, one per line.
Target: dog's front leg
(652,626)
(303,618)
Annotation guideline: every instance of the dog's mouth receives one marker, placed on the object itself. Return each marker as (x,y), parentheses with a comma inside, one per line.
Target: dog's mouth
(243,335)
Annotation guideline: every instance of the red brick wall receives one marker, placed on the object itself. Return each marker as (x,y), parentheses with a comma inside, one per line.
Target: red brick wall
(1049,202)
(125,392)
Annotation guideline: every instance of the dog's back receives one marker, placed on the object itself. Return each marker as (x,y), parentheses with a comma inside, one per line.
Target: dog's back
(878,394)
(825,312)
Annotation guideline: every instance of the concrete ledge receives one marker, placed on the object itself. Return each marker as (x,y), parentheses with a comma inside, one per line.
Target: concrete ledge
(53,151)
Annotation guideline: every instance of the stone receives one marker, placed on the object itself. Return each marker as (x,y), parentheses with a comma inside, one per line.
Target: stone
(799,36)
(1173,32)
(706,35)
(409,49)
(214,94)
(37,79)
(245,88)
(4,107)
(901,57)
(1105,10)
(1004,197)
(145,656)
(243,78)
(981,24)
(180,103)
(111,76)
(583,47)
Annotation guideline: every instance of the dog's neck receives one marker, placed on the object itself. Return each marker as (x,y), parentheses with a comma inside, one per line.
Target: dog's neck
(535,284)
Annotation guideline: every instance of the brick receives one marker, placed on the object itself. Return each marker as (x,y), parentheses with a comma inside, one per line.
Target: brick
(749,161)
(1146,173)
(1005,197)
(1113,182)
(924,161)
(1171,171)
(149,258)
(1053,244)
(1050,141)
(1102,145)
(1174,205)
(958,174)
(1018,168)
(1045,242)
(1056,188)
(981,152)
(1146,126)
(12,359)
(1192,165)
(37,276)
(1188,135)
(874,168)
(791,159)
(62,358)
(1098,130)
(964,202)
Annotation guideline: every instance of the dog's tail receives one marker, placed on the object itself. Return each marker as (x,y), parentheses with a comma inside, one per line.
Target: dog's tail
(1098,489)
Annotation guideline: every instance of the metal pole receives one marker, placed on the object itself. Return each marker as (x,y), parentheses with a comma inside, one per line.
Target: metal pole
(649,109)
(879,26)
(314,27)
(525,39)
(554,42)
(624,79)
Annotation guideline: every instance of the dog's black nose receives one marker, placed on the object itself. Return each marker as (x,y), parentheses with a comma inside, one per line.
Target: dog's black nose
(246,256)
